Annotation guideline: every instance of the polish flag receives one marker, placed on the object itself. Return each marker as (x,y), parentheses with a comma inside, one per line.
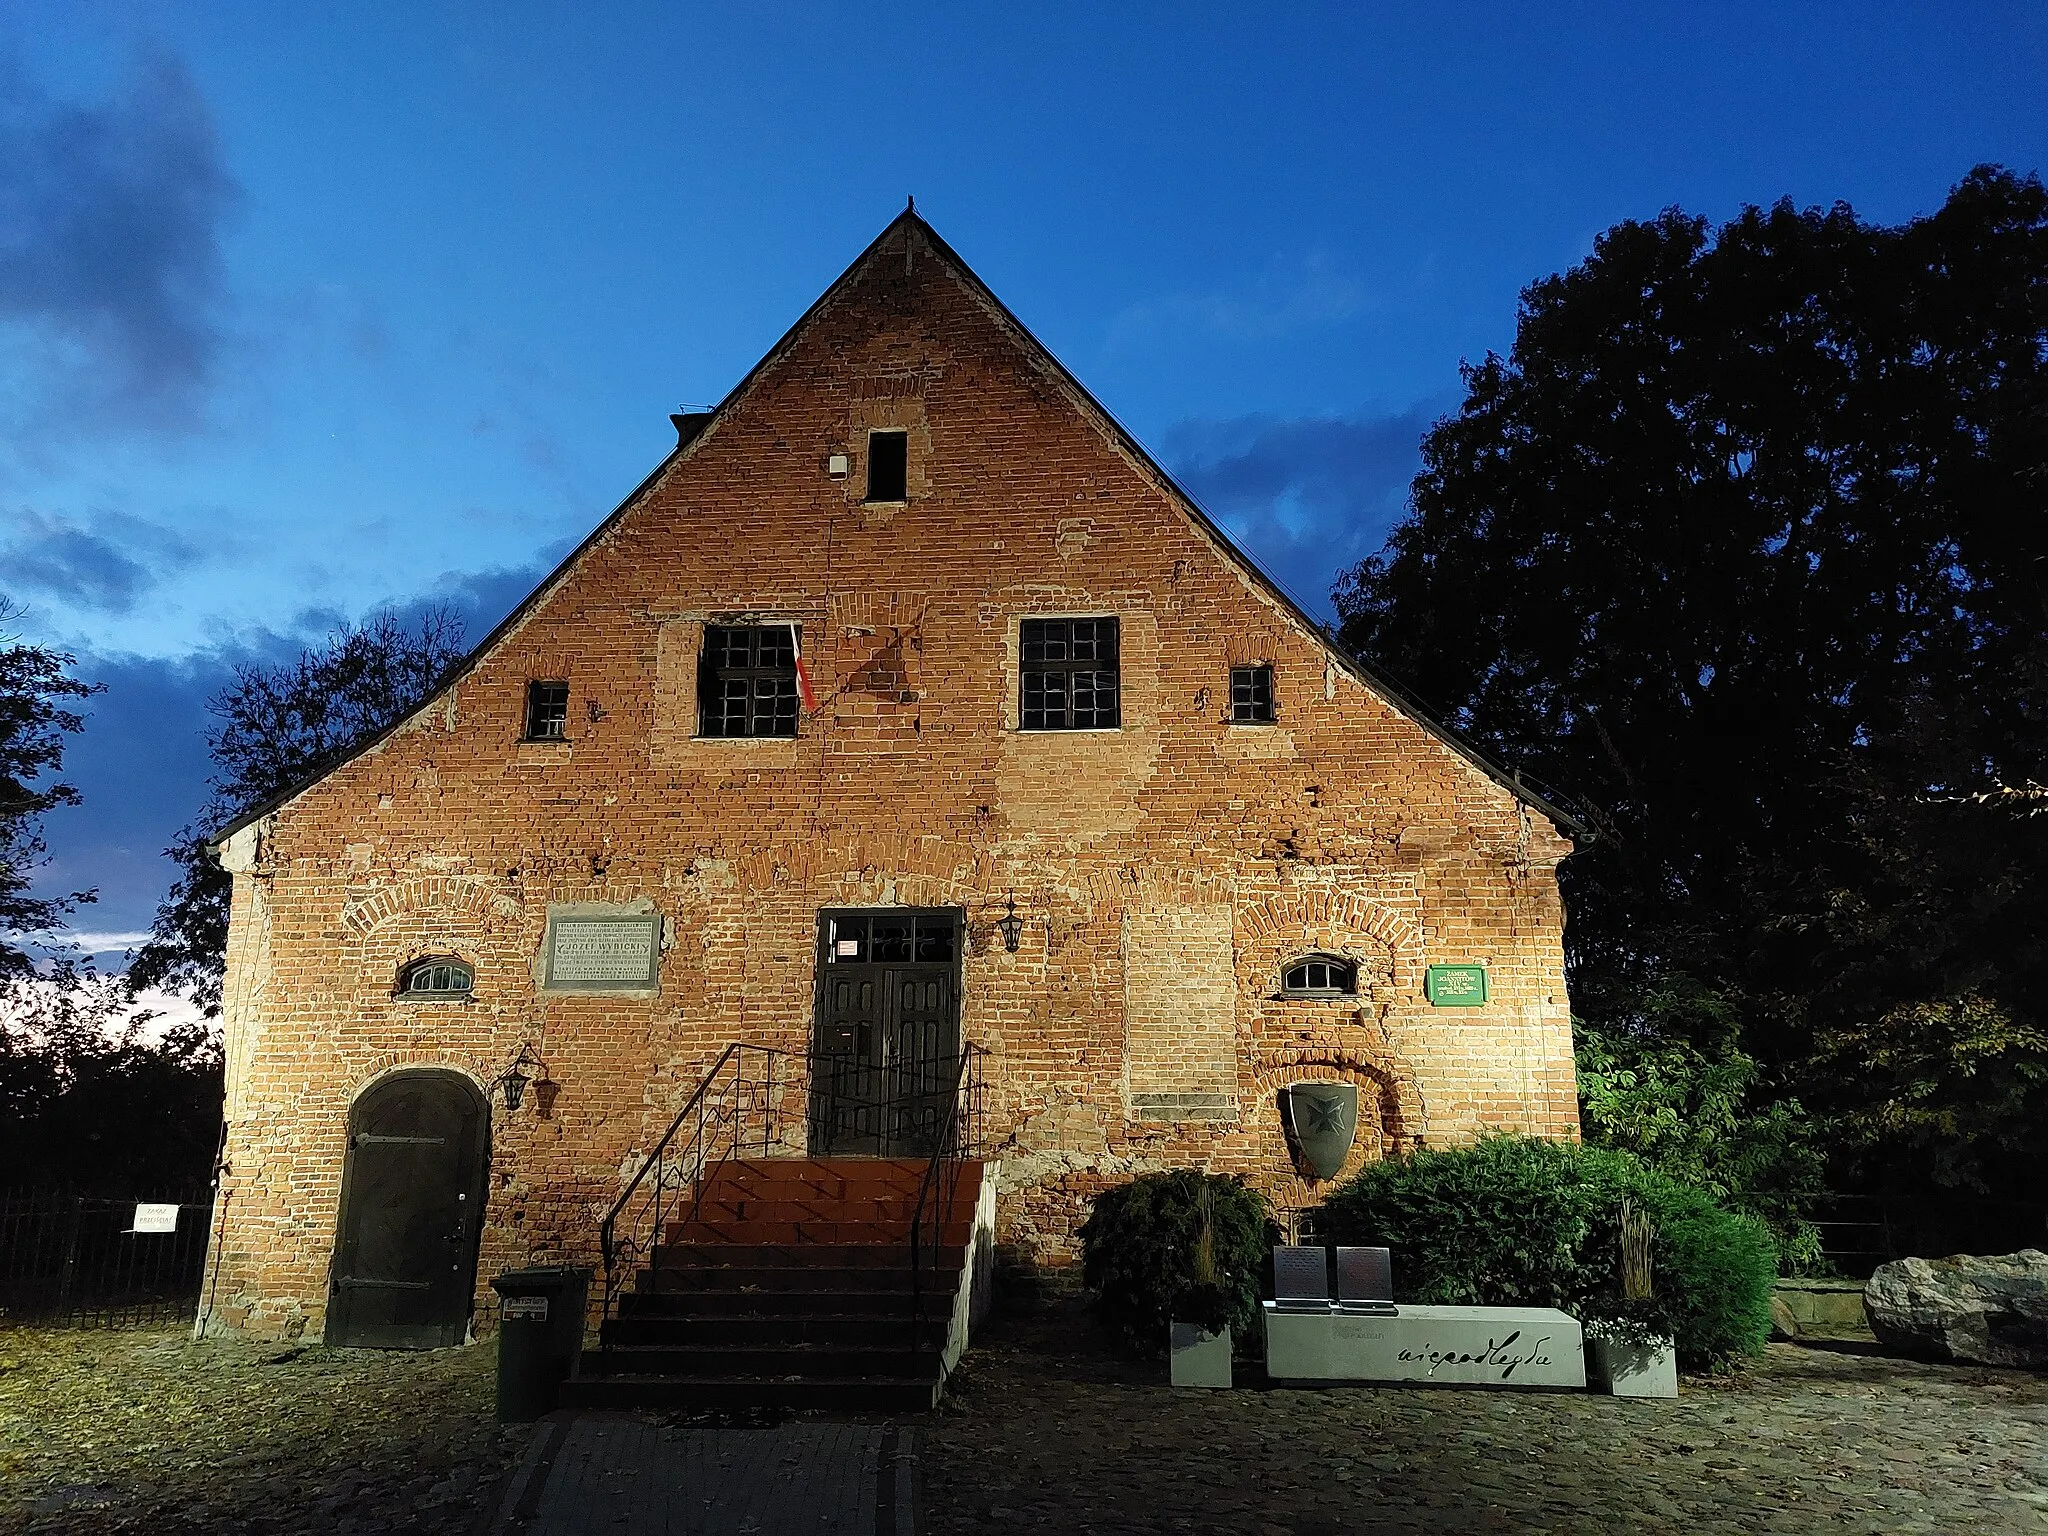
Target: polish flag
(803,673)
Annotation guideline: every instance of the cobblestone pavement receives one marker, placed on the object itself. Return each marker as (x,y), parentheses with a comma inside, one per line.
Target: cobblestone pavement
(1044,1431)
(630,1475)
(148,1432)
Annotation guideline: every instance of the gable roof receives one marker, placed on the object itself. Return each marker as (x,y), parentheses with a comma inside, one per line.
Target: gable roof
(1394,696)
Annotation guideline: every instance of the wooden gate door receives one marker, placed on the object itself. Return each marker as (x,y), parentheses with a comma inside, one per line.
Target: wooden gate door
(412,1194)
(886,1050)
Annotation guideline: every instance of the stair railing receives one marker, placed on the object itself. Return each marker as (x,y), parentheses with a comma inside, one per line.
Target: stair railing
(956,1140)
(734,1110)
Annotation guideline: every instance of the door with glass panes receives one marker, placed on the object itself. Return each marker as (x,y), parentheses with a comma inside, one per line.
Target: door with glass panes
(886,1050)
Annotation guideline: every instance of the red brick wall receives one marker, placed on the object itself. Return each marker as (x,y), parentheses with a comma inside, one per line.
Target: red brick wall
(1343,827)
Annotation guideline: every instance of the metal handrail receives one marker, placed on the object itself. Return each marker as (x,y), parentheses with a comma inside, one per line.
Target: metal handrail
(696,1156)
(957,1142)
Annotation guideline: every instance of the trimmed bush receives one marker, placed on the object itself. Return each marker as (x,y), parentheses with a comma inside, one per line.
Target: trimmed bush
(1145,1259)
(1518,1221)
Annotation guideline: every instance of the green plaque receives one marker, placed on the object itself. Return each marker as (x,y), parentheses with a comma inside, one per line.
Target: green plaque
(1456,986)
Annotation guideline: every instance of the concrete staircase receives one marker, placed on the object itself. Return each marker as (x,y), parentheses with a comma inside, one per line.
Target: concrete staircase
(790,1286)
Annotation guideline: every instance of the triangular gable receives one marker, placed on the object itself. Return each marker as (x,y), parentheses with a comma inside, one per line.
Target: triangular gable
(1100,417)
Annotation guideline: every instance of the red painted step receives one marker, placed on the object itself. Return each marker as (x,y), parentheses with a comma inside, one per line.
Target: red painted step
(789,1284)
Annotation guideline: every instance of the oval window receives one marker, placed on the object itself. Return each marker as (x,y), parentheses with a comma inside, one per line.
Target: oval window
(436,977)
(1319,976)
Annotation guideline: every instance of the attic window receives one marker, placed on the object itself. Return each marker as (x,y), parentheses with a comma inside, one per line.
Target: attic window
(547,711)
(436,977)
(1251,695)
(888,466)
(1320,976)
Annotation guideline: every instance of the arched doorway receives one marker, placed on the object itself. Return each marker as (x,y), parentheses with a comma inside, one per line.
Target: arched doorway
(412,1194)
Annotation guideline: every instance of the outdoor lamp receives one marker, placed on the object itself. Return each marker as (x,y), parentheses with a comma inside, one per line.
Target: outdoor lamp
(514,1081)
(1012,927)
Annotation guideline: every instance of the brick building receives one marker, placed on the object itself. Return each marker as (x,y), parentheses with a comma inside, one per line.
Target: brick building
(624,834)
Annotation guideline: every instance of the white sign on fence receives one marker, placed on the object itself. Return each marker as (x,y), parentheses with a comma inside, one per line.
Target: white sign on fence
(155,1218)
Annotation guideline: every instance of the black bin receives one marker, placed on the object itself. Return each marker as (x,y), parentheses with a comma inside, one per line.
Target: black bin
(540,1331)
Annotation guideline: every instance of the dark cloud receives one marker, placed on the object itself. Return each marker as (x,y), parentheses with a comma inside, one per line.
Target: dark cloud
(106,565)
(111,281)
(1309,497)
(140,764)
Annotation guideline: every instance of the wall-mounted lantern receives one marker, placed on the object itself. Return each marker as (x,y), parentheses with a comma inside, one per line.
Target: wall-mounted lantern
(513,1079)
(1011,926)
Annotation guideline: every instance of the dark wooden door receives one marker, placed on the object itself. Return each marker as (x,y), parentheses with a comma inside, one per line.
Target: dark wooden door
(886,1051)
(412,1193)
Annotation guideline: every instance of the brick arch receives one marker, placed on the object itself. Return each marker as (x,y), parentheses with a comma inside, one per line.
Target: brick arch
(1390,1111)
(1342,922)
(441,895)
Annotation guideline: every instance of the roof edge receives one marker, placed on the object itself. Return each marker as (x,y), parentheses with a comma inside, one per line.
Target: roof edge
(1394,696)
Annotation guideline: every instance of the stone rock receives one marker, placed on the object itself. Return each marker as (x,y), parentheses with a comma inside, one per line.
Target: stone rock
(1784,1324)
(1992,1310)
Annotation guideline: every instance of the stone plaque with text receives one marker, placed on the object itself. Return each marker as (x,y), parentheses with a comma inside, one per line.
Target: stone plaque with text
(603,954)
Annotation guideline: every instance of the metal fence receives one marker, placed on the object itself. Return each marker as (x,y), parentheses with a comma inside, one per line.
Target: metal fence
(79,1261)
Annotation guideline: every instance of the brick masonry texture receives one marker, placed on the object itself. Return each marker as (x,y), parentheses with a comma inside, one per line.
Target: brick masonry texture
(1166,871)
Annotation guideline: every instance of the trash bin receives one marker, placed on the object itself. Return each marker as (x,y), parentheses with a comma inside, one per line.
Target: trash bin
(540,1331)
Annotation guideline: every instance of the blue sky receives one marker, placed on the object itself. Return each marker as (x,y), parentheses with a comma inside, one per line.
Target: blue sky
(305,310)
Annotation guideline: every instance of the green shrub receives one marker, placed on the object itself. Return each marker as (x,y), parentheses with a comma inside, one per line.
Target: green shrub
(1145,1259)
(1518,1221)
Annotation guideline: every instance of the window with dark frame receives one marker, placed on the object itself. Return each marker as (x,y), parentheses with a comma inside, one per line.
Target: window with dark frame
(746,681)
(1319,976)
(1069,678)
(1251,695)
(547,711)
(888,466)
(436,977)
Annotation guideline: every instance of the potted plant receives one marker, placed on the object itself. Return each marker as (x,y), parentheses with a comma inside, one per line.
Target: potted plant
(1629,1352)
(1201,1340)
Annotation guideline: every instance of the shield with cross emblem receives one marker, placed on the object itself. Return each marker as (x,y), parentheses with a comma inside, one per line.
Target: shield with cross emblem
(1324,1119)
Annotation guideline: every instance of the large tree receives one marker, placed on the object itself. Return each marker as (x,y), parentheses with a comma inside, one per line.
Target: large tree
(35,692)
(278,726)
(1743,545)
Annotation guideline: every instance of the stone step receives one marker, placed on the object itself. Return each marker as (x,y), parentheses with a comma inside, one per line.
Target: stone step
(776,1362)
(829,1329)
(839,1395)
(881,1296)
(717,1256)
(954,1233)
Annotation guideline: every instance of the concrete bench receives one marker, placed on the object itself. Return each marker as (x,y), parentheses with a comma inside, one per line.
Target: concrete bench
(1468,1346)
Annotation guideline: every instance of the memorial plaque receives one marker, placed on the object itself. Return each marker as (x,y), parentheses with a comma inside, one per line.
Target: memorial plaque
(603,954)
(1456,986)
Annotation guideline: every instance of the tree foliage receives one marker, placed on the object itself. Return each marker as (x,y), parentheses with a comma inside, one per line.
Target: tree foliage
(279,726)
(1744,544)
(94,1096)
(34,720)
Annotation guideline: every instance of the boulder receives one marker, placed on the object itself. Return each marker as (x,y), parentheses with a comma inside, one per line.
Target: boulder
(1992,1310)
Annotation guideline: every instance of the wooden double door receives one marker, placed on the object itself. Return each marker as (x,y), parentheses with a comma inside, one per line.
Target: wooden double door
(885,1052)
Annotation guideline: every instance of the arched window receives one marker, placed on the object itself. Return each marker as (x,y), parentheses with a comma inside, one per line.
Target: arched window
(1319,976)
(437,976)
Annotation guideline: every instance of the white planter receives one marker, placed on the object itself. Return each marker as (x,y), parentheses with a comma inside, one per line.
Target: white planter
(1631,1370)
(1200,1358)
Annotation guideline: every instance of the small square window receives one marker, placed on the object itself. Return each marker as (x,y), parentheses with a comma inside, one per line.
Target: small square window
(1070,676)
(1251,695)
(547,711)
(888,466)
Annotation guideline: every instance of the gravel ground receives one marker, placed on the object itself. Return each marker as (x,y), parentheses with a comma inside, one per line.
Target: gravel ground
(150,1432)
(1044,1431)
